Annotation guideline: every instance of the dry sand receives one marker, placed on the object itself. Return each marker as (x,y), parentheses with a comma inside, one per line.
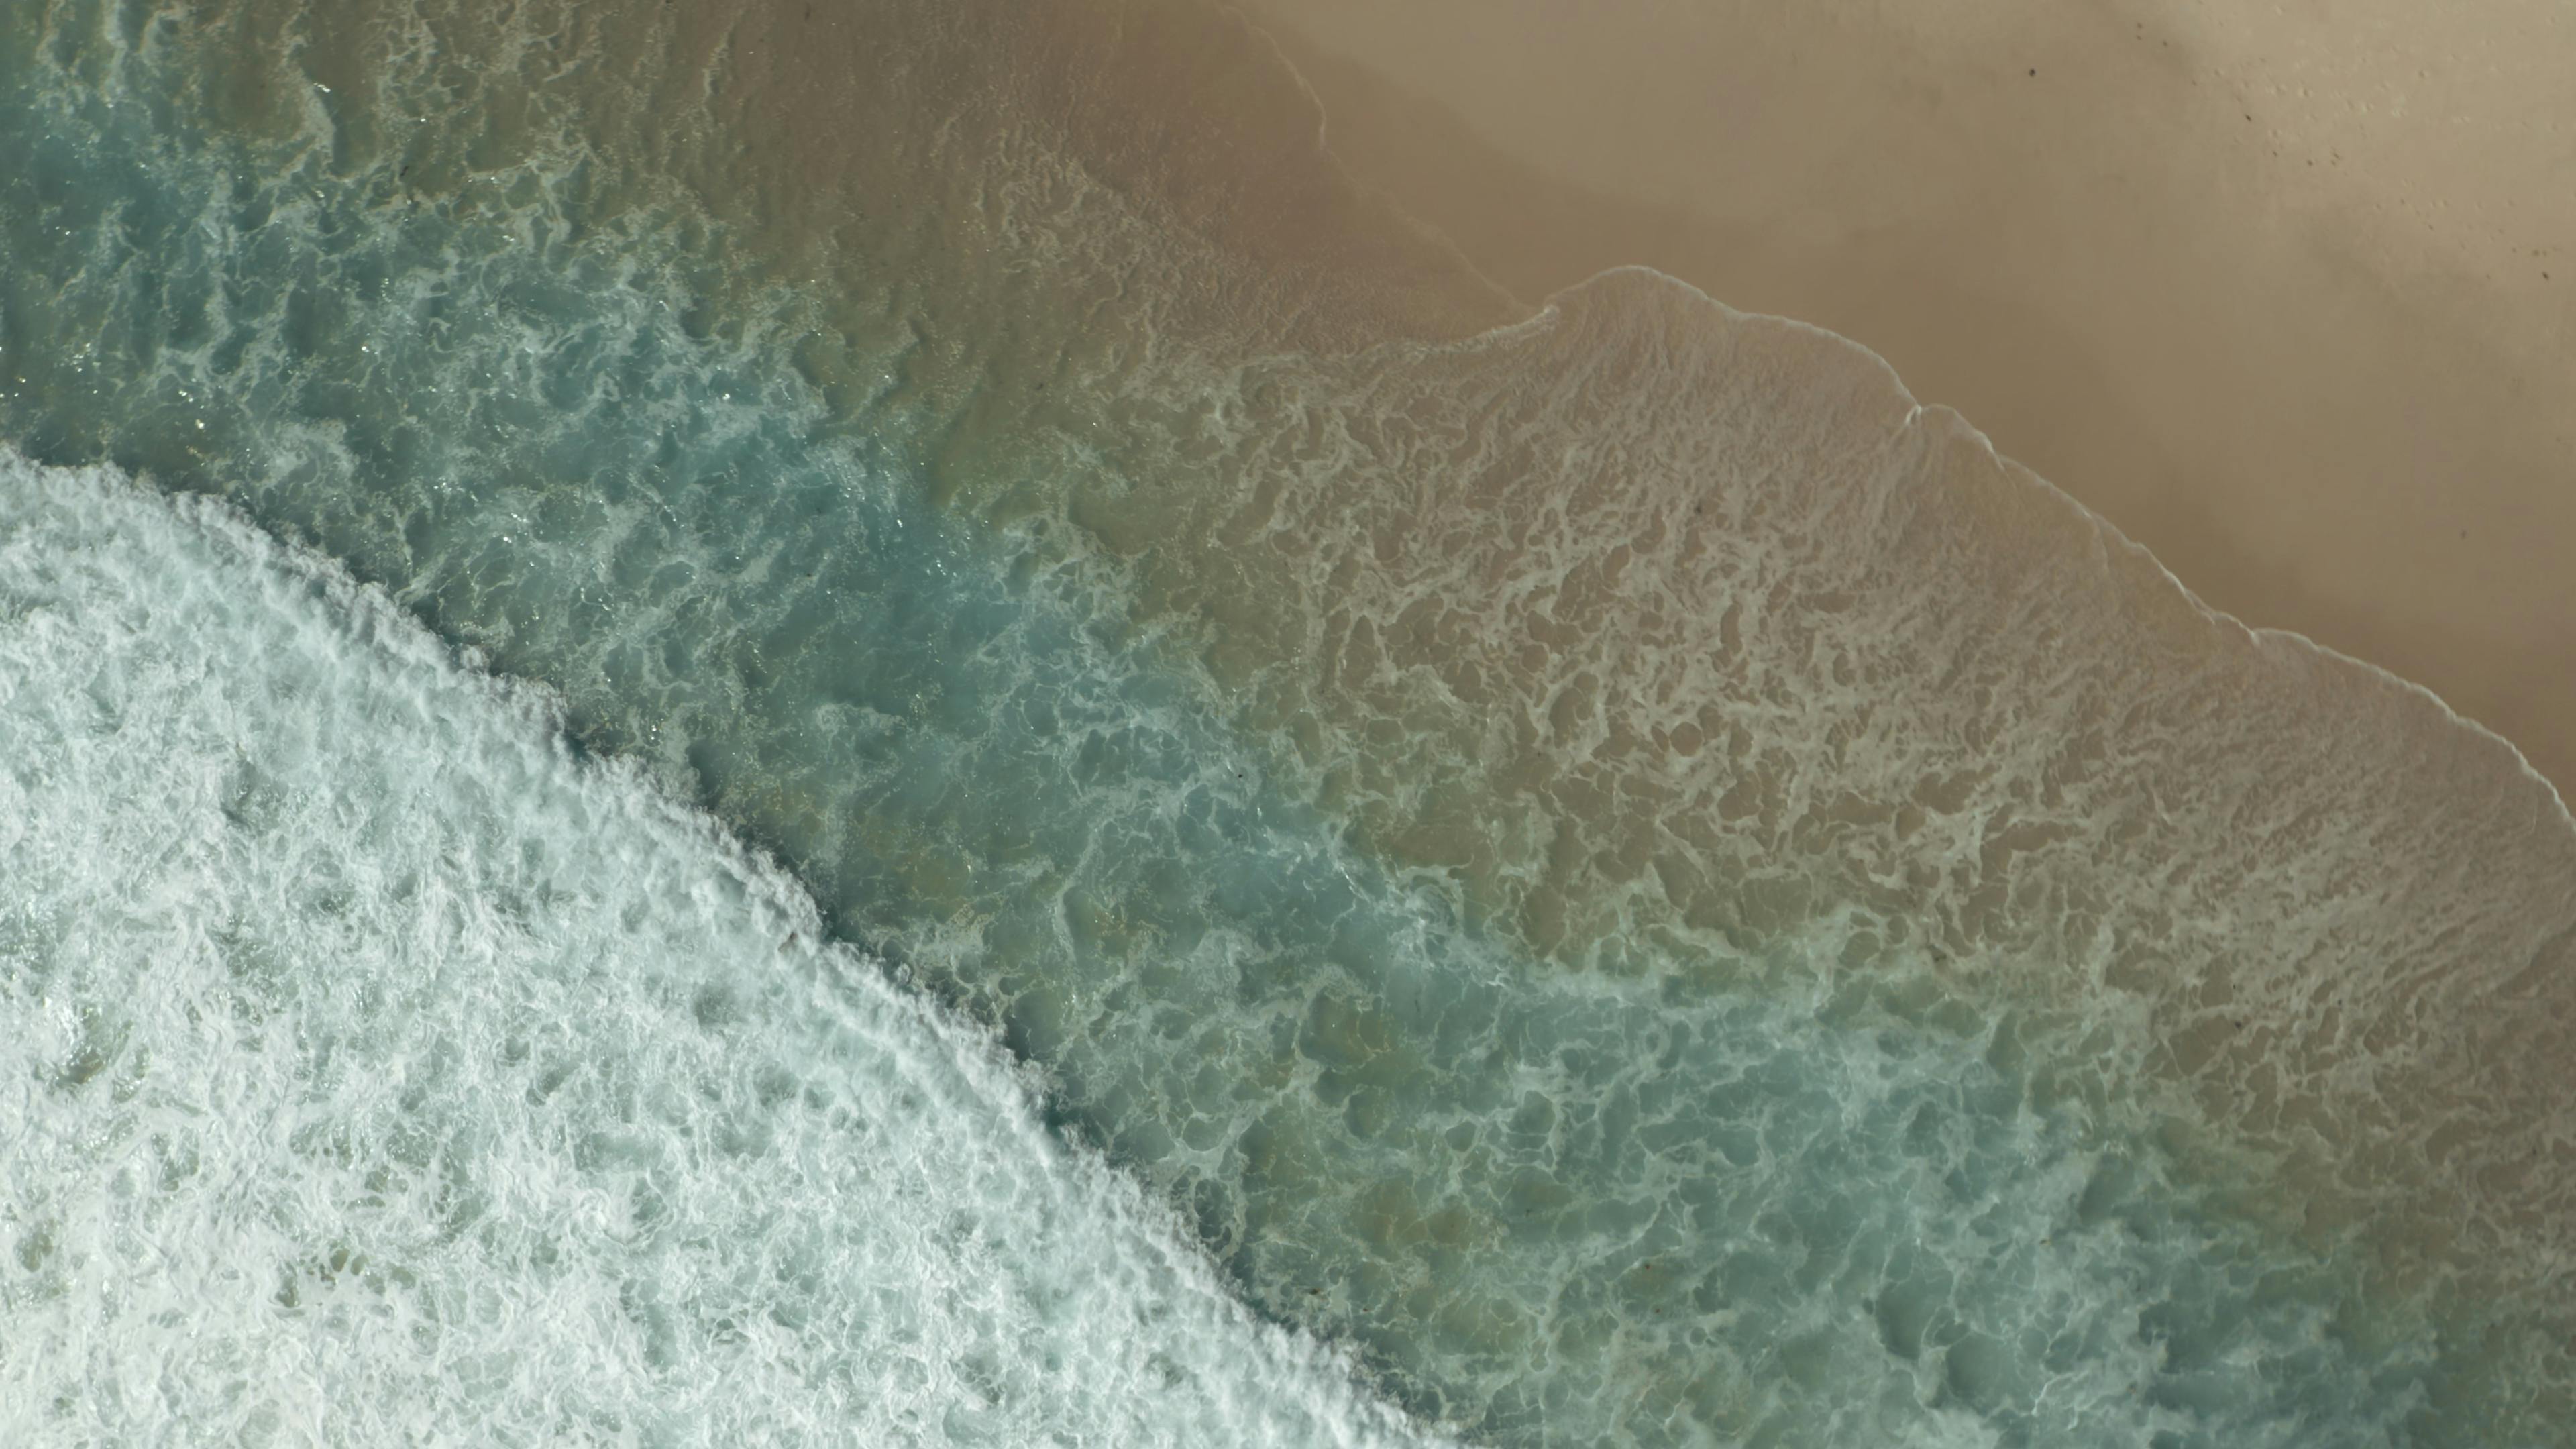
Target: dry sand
(2288,294)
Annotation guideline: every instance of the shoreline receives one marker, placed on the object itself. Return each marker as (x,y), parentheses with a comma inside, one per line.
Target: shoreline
(2110,529)
(2295,489)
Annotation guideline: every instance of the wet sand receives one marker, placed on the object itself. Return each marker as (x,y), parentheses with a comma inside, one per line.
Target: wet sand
(2277,297)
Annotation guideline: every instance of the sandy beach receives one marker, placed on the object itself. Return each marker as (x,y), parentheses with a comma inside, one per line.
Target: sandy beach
(2290,297)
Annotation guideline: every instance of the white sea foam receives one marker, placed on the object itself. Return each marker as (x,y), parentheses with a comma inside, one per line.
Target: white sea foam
(383,1071)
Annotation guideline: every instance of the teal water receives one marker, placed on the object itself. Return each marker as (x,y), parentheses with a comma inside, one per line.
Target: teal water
(392,1073)
(1540,1207)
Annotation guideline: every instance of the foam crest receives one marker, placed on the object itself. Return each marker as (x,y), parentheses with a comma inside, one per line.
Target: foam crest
(393,1073)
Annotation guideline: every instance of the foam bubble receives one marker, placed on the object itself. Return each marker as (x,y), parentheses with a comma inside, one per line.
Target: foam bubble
(388,1071)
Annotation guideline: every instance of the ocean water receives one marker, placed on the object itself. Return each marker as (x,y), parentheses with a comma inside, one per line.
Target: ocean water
(392,1072)
(1609,866)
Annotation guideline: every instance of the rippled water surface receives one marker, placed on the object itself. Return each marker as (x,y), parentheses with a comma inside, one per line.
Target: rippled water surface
(1612,870)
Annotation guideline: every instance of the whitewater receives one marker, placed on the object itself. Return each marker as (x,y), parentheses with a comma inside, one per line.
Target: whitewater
(389,1071)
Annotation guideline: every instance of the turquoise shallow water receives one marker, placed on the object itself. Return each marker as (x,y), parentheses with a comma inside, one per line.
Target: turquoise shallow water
(1543,1207)
(394,1073)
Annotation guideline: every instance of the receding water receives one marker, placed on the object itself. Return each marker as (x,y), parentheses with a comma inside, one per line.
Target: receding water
(1303,928)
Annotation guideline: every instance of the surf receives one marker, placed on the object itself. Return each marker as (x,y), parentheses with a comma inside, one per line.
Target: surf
(397,1070)
(1527,971)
